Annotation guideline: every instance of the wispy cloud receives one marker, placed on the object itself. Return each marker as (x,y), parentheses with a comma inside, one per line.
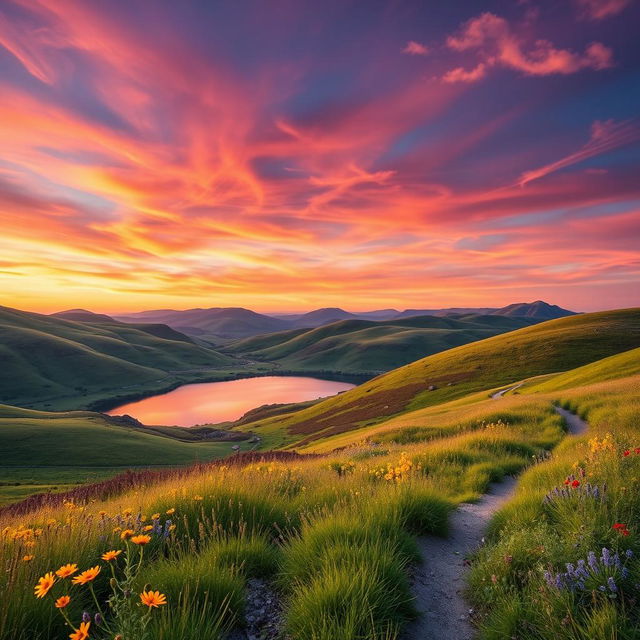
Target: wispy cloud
(605,136)
(496,44)
(600,9)
(416,49)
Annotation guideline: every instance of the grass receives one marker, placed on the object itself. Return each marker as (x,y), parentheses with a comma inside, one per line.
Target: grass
(368,346)
(334,534)
(49,451)
(550,347)
(543,530)
(54,363)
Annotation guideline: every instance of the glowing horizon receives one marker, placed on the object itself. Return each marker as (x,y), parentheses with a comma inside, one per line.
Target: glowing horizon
(284,158)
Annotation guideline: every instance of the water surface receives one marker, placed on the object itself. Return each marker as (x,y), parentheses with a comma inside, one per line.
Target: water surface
(221,401)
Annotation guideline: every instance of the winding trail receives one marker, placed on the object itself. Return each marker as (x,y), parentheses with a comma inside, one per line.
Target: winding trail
(499,394)
(440,581)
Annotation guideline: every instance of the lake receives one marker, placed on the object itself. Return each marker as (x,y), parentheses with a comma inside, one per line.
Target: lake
(221,401)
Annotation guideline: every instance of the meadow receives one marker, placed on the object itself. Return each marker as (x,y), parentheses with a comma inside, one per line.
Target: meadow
(333,535)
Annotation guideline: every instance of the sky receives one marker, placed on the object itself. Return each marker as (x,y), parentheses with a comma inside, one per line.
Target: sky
(292,154)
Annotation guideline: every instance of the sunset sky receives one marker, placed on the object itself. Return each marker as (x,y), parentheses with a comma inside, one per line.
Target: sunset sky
(284,155)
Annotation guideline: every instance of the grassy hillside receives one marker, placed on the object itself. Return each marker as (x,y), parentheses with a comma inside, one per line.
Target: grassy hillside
(40,449)
(553,346)
(361,346)
(48,357)
(334,535)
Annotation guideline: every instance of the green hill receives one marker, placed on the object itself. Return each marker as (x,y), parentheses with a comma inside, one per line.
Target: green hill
(364,346)
(554,346)
(49,357)
(43,450)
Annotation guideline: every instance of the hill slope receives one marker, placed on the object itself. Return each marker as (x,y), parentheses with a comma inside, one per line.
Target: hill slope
(226,323)
(364,346)
(46,356)
(553,346)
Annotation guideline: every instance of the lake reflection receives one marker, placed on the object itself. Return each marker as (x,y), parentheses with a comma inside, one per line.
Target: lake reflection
(221,401)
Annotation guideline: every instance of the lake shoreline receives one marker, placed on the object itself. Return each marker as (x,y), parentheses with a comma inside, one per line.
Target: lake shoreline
(109,403)
(219,401)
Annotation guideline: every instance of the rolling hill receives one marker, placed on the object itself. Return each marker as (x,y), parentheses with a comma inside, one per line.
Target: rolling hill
(225,323)
(49,357)
(365,346)
(554,346)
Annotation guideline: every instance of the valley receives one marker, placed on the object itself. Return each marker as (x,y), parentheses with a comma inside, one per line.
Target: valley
(334,502)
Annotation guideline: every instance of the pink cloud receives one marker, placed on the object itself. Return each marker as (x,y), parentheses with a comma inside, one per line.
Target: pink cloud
(460,74)
(599,9)
(605,136)
(415,49)
(497,44)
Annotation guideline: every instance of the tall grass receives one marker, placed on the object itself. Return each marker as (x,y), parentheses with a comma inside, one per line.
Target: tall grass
(334,533)
(582,501)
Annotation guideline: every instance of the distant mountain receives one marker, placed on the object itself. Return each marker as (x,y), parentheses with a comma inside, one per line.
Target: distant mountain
(217,322)
(82,315)
(366,346)
(320,317)
(539,310)
(50,357)
(441,313)
(223,324)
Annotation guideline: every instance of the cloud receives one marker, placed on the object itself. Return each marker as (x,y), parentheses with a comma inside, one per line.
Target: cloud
(415,49)
(459,74)
(496,44)
(605,136)
(600,9)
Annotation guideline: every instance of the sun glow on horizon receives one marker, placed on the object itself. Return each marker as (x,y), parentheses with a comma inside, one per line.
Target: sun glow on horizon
(181,156)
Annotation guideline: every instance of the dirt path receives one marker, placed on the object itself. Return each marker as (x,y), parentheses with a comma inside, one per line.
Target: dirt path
(439,583)
(499,394)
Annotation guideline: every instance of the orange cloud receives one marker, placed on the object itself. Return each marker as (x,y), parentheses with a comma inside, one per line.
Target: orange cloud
(498,45)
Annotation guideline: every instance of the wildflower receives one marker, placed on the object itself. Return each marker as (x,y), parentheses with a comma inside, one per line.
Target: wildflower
(619,525)
(86,617)
(575,483)
(141,540)
(127,533)
(612,585)
(111,555)
(102,514)
(82,633)
(155,516)
(44,585)
(62,602)
(87,576)
(98,619)
(170,512)
(66,570)
(153,599)
(198,498)
(149,527)
(127,512)
(626,452)
(27,558)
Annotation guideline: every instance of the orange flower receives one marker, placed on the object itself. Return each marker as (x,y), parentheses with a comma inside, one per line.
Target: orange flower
(153,599)
(27,558)
(82,633)
(66,570)
(87,576)
(111,555)
(127,533)
(155,516)
(44,585)
(141,540)
(170,512)
(62,602)
(148,527)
